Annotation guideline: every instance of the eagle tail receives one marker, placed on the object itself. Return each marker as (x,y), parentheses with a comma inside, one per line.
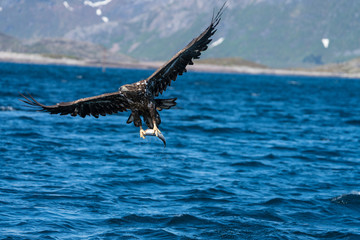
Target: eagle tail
(165,103)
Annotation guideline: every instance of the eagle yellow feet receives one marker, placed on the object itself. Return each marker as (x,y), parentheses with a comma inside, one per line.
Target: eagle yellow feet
(142,133)
(156,131)
(152,132)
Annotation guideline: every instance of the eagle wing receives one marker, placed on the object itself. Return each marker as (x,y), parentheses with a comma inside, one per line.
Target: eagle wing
(162,77)
(108,103)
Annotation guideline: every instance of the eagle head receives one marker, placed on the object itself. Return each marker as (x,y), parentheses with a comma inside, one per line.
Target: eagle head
(124,88)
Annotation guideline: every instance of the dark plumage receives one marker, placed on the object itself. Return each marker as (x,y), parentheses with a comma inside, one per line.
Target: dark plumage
(138,97)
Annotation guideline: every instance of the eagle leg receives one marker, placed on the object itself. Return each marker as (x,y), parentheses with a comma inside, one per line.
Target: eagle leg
(142,132)
(155,128)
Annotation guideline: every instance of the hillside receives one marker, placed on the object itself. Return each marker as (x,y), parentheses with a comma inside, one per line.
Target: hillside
(11,44)
(276,33)
(349,67)
(62,48)
(74,49)
(230,62)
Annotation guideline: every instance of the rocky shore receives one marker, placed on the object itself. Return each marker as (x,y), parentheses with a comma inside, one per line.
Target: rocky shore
(331,71)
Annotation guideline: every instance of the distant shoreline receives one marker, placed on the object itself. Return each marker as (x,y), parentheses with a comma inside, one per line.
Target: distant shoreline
(200,67)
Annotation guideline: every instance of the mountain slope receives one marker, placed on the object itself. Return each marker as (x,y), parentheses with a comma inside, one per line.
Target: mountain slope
(277,33)
(62,48)
(11,44)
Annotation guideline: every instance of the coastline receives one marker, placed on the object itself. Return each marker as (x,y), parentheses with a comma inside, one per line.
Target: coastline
(199,67)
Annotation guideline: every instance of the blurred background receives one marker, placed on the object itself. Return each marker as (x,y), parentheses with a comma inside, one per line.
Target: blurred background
(265,33)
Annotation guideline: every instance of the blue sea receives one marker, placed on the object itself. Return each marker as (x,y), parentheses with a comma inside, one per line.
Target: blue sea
(247,157)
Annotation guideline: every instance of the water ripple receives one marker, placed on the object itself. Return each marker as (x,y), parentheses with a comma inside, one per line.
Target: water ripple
(256,157)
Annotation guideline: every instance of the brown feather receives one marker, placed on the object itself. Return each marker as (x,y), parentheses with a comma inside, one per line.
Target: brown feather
(95,106)
(158,81)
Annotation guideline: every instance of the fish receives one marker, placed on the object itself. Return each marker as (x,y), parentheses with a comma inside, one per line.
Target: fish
(151,132)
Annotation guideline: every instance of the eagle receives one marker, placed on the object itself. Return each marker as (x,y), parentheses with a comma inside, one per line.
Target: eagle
(139,97)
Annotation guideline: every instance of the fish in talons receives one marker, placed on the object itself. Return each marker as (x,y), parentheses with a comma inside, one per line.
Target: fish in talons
(153,132)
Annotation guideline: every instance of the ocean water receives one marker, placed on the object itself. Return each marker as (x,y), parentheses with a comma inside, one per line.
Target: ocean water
(247,157)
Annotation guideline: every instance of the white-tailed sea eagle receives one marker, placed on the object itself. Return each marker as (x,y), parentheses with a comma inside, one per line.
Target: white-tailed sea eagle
(138,97)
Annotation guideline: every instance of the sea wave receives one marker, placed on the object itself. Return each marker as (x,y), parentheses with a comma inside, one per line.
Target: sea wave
(6,108)
(235,167)
(355,122)
(352,198)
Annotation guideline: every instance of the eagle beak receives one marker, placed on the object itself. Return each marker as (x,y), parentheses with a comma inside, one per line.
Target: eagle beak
(123,89)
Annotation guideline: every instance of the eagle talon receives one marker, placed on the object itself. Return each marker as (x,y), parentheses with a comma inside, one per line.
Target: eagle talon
(152,132)
(156,131)
(142,133)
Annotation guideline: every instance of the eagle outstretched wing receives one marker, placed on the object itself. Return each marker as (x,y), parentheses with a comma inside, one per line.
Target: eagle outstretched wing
(159,80)
(107,103)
